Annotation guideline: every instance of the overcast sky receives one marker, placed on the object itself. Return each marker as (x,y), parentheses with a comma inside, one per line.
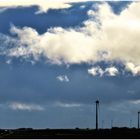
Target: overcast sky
(58,57)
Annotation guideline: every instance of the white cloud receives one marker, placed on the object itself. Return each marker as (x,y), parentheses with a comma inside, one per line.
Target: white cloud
(82,7)
(67,105)
(96,71)
(63,78)
(43,5)
(111,71)
(105,36)
(135,70)
(91,13)
(2,10)
(23,106)
(8,62)
(137,102)
(127,106)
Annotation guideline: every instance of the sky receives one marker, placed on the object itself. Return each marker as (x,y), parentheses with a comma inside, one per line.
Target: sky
(57,57)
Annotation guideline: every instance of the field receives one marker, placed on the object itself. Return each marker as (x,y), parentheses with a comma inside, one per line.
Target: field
(29,133)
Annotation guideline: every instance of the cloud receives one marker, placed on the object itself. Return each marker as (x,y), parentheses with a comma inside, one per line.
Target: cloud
(105,36)
(137,102)
(2,10)
(82,7)
(67,105)
(135,70)
(126,106)
(111,71)
(63,78)
(96,71)
(43,5)
(23,106)
(8,62)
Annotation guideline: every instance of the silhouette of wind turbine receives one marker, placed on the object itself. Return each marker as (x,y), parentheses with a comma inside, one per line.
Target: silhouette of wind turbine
(97,113)
(138,119)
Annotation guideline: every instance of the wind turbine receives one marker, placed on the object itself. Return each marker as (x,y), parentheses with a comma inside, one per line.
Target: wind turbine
(97,114)
(138,119)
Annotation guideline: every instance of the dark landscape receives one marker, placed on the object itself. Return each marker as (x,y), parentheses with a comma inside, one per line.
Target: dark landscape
(77,133)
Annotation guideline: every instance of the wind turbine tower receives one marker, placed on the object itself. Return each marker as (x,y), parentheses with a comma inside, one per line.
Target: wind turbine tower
(138,119)
(97,113)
